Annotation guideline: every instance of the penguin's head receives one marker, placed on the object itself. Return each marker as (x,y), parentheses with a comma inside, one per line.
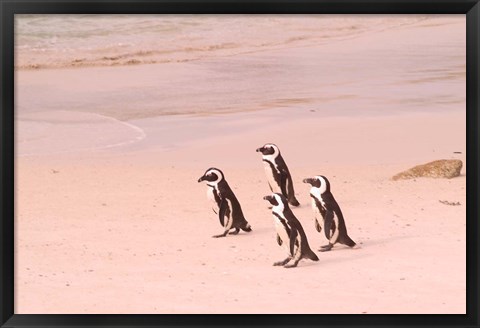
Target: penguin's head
(320,182)
(269,149)
(212,175)
(276,200)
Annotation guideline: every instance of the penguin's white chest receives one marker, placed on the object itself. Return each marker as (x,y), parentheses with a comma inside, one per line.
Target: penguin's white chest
(271,178)
(316,193)
(315,208)
(211,197)
(317,215)
(282,233)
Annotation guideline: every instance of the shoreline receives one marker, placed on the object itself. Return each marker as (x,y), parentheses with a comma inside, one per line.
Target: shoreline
(341,29)
(177,137)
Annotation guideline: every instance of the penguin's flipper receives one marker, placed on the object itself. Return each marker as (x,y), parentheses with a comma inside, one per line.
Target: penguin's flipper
(328,223)
(317,226)
(279,240)
(293,238)
(222,211)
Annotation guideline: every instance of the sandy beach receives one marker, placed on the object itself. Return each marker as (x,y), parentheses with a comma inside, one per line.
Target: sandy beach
(110,217)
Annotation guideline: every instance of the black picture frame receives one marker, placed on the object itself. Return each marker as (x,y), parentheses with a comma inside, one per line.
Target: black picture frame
(8,8)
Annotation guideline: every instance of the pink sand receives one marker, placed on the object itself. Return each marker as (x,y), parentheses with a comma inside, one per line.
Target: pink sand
(127,229)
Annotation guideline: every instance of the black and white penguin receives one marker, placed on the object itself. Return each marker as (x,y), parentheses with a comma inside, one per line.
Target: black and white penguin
(278,175)
(327,214)
(225,204)
(290,233)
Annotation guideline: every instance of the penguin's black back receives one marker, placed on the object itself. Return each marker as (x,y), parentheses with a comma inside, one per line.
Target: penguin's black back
(236,210)
(282,166)
(332,205)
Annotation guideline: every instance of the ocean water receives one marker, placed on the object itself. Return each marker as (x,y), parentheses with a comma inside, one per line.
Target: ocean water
(84,82)
(49,41)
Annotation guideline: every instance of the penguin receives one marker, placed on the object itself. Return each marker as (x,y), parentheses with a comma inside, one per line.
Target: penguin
(290,233)
(278,175)
(327,214)
(225,204)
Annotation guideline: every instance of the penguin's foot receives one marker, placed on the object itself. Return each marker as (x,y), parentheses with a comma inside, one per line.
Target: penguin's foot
(234,232)
(222,235)
(282,263)
(294,264)
(326,248)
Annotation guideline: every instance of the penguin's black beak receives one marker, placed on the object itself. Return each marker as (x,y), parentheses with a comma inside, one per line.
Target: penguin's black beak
(260,150)
(201,179)
(309,180)
(269,198)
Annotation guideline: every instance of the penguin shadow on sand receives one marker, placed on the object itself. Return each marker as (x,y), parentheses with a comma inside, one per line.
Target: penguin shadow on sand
(331,258)
(380,241)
